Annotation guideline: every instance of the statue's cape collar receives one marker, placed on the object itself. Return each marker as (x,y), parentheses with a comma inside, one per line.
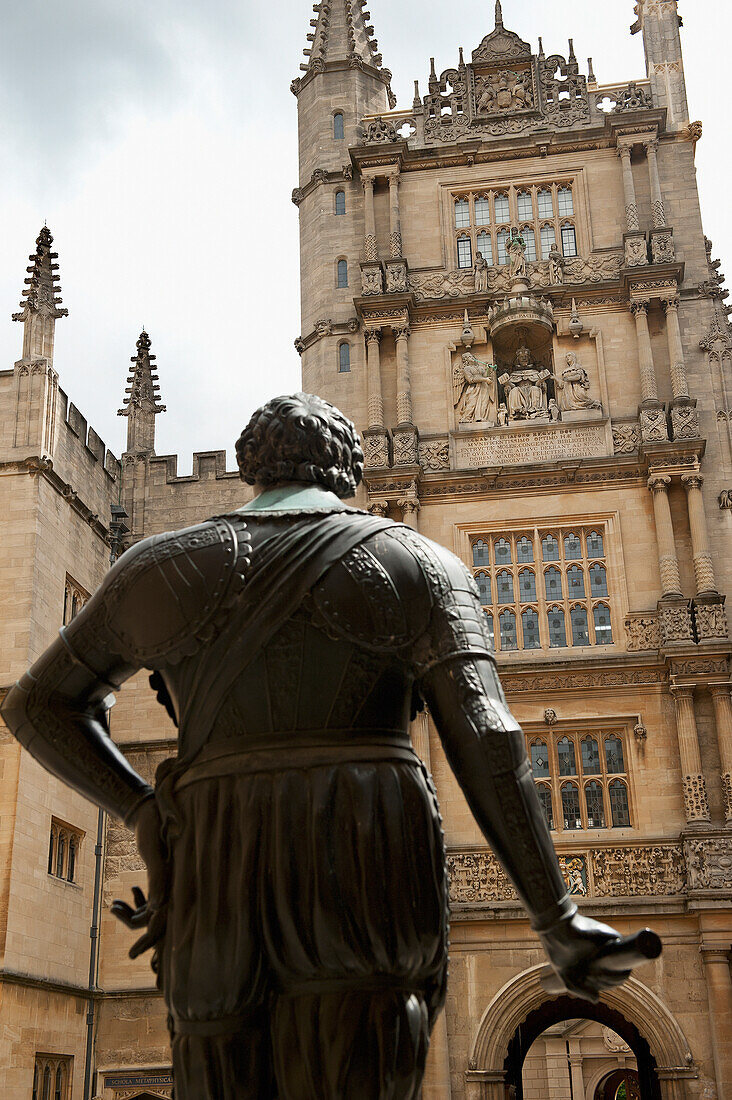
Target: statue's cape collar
(294,498)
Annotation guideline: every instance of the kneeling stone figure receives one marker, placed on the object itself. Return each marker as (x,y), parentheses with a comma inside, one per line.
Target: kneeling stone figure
(297,893)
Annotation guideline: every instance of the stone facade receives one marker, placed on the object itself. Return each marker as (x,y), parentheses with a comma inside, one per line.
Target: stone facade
(554,407)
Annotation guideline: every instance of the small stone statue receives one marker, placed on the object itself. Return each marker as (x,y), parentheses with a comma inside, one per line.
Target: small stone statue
(554,412)
(574,385)
(502,415)
(481,273)
(516,249)
(525,388)
(297,884)
(474,390)
(556,266)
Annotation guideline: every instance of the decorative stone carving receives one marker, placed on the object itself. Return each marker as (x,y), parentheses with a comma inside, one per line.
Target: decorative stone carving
(516,251)
(379,132)
(709,863)
(434,455)
(299,345)
(376,449)
(633,98)
(676,624)
(654,428)
(474,390)
(575,322)
(396,277)
(724,500)
(353,324)
(372,280)
(626,438)
(685,422)
(636,250)
(525,388)
(405,447)
(641,734)
(324,327)
(550,717)
(711,621)
(481,274)
(517,445)
(643,632)
(614,1043)
(573,386)
(639,871)
(696,803)
(504,91)
(574,869)
(298,196)
(662,247)
(378,507)
(556,266)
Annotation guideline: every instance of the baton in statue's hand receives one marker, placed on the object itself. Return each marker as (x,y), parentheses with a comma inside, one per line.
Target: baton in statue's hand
(611,964)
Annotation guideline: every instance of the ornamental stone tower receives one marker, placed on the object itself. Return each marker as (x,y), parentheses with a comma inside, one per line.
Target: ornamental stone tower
(507,285)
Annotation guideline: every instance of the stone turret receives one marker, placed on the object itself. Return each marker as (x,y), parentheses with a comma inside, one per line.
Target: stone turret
(141,404)
(659,22)
(41,301)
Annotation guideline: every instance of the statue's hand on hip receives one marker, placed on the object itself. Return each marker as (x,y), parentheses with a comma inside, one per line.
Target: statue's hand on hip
(149,912)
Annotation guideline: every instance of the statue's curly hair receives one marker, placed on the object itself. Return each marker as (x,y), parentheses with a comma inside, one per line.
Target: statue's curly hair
(300,437)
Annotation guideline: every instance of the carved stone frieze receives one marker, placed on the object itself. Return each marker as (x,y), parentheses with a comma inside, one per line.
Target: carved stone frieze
(711,621)
(434,455)
(726,778)
(654,870)
(724,500)
(379,132)
(643,632)
(372,279)
(709,863)
(653,425)
(633,98)
(376,448)
(496,280)
(636,250)
(676,625)
(581,680)
(405,447)
(696,803)
(626,437)
(396,277)
(685,422)
(662,246)
(699,667)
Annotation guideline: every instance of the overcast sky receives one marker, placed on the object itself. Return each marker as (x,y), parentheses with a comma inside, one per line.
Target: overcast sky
(159,140)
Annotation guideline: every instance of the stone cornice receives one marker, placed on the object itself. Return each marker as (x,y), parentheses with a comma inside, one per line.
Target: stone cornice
(327,327)
(321,176)
(42,466)
(48,985)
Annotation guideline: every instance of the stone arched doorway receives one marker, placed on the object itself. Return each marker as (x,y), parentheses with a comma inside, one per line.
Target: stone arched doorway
(621,1084)
(632,1010)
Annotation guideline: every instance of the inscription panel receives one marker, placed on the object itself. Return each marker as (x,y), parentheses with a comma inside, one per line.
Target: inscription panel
(507,447)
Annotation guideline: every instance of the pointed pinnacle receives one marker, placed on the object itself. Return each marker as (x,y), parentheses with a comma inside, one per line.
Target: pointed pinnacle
(499,14)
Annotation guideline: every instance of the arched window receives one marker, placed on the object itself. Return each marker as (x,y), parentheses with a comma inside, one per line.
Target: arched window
(504,584)
(46,1094)
(594,804)
(564,199)
(530,628)
(619,803)
(483,581)
(525,206)
(548,239)
(340,202)
(580,628)
(480,553)
(338,130)
(51,844)
(489,624)
(545,204)
(545,799)
(572,546)
(500,204)
(595,547)
(71,871)
(575,583)
(614,754)
(74,605)
(603,624)
(482,210)
(549,548)
(530,243)
(524,549)
(527,586)
(462,214)
(566,757)
(569,240)
(501,241)
(465,252)
(553,583)
(571,806)
(485,247)
(539,760)
(590,756)
(557,632)
(598,580)
(58,1091)
(502,550)
(342,274)
(507,621)
(60,853)
(344,358)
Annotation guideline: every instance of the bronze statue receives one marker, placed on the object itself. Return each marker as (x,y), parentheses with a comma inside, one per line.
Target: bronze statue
(297,893)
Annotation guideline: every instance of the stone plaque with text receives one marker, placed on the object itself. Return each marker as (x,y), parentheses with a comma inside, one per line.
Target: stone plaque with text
(520,446)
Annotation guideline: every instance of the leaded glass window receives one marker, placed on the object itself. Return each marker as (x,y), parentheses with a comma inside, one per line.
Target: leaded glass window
(548,240)
(571,806)
(340,202)
(483,581)
(462,214)
(595,545)
(571,769)
(545,799)
(557,632)
(545,204)
(342,274)
(502,551)
(603,624)
(539,759)
(549,548)
(485,247)
(525,206)
(530,629)
(344,358)
(504,581)
(482,210)
(595,808)
(530,242)
(465,252)
(575,583)
(524,549)
(507,622)
(553,583)
(527,586)
(503,213)
(580,628)
(566,756)
(569,240)
(501,241)
(619,804)
(480,553)
(338,130)
(564,200)
(590,756)
(614,754)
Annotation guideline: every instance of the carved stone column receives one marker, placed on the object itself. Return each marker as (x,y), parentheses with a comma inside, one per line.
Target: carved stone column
(378,508)
(395,225)
(679,384)
(719,995)
(370,247)
(404,386)
(409,505)
(722,701)
(696,805)
(658,211)
(652,415)
(373,378)
(631,207)
(706,584)
(668,562)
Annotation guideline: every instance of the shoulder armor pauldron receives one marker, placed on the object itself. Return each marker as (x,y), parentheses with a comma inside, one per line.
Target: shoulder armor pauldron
(175,588)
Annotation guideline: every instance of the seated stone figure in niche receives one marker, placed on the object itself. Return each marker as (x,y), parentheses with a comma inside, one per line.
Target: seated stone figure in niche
(297,885)
(525,388)
(573,387)
(474,390)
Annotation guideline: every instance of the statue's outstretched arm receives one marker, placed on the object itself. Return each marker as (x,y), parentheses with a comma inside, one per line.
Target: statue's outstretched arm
(486,750)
